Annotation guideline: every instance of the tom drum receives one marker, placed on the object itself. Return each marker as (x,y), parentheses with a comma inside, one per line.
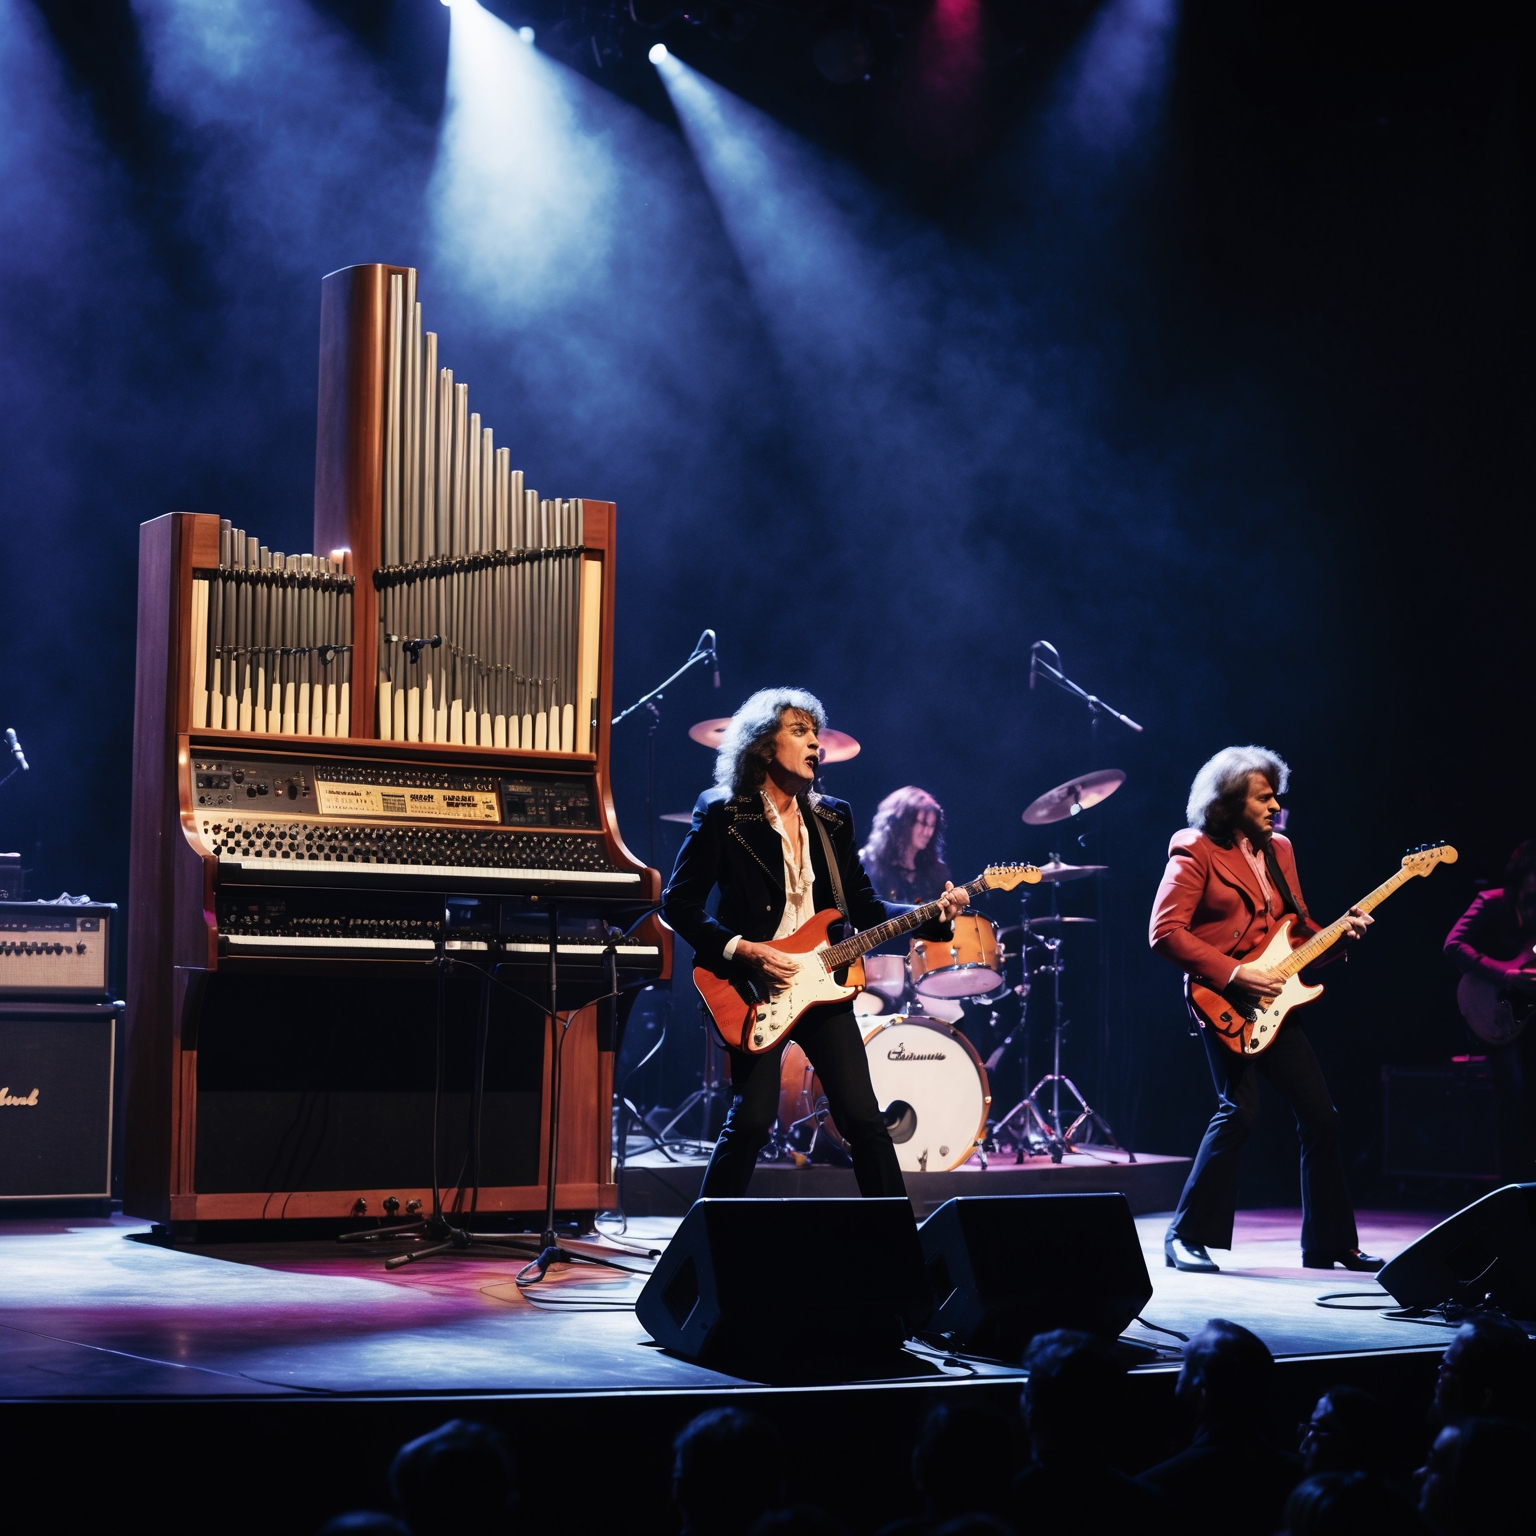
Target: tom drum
(968,966)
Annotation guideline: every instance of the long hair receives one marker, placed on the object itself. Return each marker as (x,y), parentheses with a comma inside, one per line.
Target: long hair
(748,745)
(891,829)
(1217,796)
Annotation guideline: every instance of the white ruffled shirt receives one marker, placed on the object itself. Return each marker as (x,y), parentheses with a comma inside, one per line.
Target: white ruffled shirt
(799,877)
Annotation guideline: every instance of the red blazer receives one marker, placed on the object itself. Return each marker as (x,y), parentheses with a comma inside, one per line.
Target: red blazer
(1210,911)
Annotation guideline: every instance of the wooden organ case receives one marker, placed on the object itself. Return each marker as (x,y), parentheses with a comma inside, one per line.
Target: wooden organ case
(351,763)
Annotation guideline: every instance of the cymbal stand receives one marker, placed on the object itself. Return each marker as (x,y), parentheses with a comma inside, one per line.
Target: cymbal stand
(1063,1137)
(703,1097)
(1034,1131)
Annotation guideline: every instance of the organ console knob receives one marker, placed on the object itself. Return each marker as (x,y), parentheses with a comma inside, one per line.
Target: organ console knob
(359,1207)
(391,1205)
(413,1207)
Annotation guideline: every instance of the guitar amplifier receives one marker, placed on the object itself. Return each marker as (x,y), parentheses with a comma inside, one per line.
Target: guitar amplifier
(57,1076)
(55,951)
(1438,1122)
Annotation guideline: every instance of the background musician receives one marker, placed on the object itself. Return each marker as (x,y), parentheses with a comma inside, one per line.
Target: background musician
(1230,879)
(904,856)
(755,840)
(1493,938)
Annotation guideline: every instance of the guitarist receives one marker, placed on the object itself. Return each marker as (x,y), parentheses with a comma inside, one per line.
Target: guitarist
(1230,879)
(1493,938)
(755,838)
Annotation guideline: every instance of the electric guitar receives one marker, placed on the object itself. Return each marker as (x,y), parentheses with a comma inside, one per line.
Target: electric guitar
(1493,1013)
(750,1017)
(1245,1023)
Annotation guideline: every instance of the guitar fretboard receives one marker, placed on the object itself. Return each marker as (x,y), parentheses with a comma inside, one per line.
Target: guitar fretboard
(1324,940)
(838,955)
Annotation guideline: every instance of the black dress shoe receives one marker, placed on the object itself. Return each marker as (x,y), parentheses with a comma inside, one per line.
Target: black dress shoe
(1350,1258)
(1190,1257)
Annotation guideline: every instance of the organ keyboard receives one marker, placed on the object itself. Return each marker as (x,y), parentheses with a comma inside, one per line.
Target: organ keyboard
(350,764)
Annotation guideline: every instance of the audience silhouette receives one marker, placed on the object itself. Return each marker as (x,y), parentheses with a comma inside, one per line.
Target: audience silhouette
(1349,1504)
(963,1463)
(1351,1431)
(458,1478)
(727,1472)
(1480,1479)
(1489,1370)
(1233,1470)
(1075,1384)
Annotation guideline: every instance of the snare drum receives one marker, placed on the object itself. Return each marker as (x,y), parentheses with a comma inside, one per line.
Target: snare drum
(930,1085)
(969,965)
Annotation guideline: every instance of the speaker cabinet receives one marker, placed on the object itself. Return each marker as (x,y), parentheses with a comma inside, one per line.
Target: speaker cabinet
(57,1066)
(1006,1267)
(773,1285)
(1485,1252)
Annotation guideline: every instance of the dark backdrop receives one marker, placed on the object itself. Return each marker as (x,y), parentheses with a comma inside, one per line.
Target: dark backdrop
(1230,399)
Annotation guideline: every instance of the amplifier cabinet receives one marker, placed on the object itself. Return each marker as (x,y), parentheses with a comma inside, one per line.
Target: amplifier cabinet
(56,951)
(1438,1122)
(58,1066)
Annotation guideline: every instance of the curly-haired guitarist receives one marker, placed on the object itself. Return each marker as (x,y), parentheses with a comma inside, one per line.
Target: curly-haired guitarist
(1230,880)
(755,838)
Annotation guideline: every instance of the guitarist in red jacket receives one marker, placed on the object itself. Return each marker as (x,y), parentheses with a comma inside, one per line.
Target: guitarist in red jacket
(755,839)
(1230,879)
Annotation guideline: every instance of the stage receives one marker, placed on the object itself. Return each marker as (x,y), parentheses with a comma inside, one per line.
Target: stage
(201,1370)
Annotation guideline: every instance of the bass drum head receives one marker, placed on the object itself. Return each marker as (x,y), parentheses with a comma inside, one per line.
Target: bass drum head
(932,1087)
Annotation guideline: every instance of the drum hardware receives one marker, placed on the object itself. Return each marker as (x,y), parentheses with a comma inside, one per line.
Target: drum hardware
(1074,797)
(836,746)
(1046,1124)
(703,1097)
(1056,873)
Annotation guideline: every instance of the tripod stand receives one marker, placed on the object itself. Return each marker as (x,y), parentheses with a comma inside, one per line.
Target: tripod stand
(436,1231)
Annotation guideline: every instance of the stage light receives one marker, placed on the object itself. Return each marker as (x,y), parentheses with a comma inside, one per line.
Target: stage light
(658,53)
(526,33)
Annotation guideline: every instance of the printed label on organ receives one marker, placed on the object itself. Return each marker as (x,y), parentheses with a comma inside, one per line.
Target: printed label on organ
(416,804)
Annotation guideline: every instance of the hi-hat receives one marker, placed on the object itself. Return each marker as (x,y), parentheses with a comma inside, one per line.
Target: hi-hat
(1074,797)
(836,746)
(1045,920)
(1056,872)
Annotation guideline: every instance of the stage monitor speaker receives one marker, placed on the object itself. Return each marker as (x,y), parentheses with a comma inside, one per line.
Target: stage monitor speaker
(769,1285)
(1006,1267)
(1485,1253)
(57,1063)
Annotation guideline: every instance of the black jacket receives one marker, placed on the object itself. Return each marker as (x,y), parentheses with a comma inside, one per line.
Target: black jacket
(731,844)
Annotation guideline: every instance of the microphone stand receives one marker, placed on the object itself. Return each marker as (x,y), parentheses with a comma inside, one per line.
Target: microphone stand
(703,650)
(1096,705)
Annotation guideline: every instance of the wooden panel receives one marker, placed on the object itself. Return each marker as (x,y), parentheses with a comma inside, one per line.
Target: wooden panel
(337,1205)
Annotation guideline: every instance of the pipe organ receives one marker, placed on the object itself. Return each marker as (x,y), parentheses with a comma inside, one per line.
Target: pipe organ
(355,767)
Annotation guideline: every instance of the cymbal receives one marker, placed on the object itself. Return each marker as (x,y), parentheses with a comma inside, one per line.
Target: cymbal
(1056,872)
(1043,921)
(683,818)
(836,746)
(1073,797)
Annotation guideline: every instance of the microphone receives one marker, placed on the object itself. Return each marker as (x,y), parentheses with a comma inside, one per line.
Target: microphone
(16,752)
(1034,662)
(713,654)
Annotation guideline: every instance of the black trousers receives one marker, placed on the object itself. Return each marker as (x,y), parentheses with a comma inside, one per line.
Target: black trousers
(831,1038)
(1209,1200)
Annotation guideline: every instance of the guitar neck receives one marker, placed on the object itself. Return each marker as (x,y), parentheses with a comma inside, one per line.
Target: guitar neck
(1324,940)
(845,953)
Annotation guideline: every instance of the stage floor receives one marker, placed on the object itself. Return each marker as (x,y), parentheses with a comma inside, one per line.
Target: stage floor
(90,1309)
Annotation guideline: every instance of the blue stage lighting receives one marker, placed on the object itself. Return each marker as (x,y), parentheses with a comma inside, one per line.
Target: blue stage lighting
(526,33)
(658,53)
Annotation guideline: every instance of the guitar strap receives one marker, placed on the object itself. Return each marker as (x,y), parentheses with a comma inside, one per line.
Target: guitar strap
(837,879)
(1287,901)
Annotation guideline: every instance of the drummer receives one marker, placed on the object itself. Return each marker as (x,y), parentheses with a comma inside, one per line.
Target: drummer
(904,857)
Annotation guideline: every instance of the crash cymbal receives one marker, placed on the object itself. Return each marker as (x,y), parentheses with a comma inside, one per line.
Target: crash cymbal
(682,818)
(1056,872)
(836,746)
(1074,797)
(709,733)
(1045,920)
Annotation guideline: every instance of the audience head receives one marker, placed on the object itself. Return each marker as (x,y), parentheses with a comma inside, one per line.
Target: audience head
(726,1472)
(1226,1377)
(457,1478)
(1072,1378)
(964,1460)
(1479,1480)
(1489,1370)
(1350,1431)
(1348,1504)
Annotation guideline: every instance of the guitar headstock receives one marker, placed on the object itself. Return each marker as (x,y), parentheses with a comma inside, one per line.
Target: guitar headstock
(1003,877)
(1420,860)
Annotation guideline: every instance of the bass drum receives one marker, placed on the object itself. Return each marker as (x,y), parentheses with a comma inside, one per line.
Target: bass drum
(968,966)
(933,1090)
